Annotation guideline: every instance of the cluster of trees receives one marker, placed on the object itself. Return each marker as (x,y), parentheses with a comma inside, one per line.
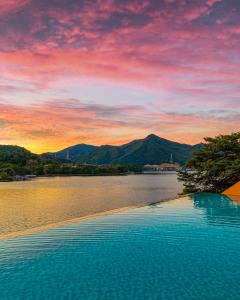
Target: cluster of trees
(16,160)
(57,168)
(215,167)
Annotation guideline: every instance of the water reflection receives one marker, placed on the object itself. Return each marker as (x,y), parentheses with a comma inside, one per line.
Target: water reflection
(30,204)
(218,209)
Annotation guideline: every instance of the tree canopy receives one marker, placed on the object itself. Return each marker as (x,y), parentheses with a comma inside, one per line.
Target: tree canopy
(16,160)
(215,167)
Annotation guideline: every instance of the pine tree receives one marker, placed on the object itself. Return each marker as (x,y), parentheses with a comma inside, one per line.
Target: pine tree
(215,167)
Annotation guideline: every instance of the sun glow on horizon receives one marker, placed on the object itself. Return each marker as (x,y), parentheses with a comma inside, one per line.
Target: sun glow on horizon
(107,73)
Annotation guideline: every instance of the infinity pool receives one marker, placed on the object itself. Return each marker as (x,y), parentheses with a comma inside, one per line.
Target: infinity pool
(187,248)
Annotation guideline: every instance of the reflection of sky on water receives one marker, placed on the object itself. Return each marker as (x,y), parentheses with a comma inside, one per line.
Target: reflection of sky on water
(218,209)
(25,205)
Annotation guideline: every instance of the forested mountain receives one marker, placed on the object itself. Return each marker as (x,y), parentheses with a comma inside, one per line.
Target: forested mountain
(150,150)
(15,155)
(15,160)
(93,160)
(17,163)
(77,152)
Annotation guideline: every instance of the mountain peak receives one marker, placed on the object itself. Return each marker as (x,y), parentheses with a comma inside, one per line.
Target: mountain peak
(152,136)
(149,150)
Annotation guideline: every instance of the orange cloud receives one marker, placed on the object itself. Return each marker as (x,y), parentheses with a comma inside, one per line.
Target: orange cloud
(57,124)
(186,53)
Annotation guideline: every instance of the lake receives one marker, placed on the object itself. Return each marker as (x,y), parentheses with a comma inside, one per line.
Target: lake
(42,201)
(175,250)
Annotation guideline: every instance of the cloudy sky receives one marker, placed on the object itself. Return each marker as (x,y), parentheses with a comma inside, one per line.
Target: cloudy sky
(107,72)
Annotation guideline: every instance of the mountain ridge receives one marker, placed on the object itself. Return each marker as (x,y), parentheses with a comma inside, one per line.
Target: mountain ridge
(151,149)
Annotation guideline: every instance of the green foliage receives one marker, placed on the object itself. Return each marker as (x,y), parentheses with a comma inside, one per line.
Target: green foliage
(15,155)
(15,160)
(215,167)
(151,150)
(4,176)
(78,153)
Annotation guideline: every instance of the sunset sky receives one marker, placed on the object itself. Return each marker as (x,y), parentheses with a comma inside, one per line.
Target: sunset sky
(109,71)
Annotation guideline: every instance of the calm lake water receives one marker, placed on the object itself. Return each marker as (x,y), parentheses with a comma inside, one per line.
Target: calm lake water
(176,250)
(30,204)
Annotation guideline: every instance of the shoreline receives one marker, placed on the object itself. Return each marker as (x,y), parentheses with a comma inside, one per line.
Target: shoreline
(26,178)
(85,175)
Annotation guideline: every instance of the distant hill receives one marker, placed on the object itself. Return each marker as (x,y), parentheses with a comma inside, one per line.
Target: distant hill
(17,163)
(150,150)
(15,155)
(76,153)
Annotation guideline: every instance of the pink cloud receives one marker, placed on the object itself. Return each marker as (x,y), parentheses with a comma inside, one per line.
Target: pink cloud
(195,12)
(212,2)
(11,6)
(185,52)
(59,123)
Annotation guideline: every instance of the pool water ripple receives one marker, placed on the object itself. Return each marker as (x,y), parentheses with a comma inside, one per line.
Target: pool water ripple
(182,249)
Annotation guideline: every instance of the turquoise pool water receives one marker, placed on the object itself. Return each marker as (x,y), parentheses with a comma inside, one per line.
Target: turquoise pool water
(183,249)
